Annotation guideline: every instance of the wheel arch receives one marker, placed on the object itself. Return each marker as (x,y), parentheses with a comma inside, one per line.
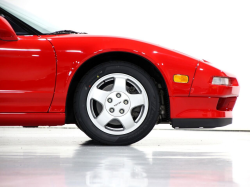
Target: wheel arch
(138,60)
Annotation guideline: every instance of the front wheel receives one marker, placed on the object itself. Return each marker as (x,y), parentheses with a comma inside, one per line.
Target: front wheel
(116,103)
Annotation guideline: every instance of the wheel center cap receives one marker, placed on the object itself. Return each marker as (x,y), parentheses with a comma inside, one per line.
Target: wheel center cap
(117,104)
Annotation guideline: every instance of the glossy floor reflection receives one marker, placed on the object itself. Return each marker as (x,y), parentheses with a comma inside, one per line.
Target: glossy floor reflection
(66,157)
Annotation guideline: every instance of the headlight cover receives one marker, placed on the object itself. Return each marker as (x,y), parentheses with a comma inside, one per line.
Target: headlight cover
(221,81)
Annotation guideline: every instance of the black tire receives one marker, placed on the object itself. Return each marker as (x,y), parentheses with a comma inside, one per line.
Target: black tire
(80,100)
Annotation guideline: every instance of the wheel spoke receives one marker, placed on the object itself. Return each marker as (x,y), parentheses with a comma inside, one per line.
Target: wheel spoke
(120,85)
(136,100)
(127,121)
(99,95)
(104,118)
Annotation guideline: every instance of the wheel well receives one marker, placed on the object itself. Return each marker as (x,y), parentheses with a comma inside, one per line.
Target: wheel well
(145,64)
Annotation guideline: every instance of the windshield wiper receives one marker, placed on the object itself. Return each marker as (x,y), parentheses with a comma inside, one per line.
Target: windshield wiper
(67,32)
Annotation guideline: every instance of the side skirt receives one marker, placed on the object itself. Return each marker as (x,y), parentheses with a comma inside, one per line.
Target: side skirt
(32,119)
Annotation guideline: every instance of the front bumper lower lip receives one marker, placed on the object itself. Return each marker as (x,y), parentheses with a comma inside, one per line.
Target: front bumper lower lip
(200,122)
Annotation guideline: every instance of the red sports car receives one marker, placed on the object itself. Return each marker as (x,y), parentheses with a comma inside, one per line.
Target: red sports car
(114,89)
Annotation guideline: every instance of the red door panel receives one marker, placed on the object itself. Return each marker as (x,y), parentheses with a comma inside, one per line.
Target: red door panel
(27,75)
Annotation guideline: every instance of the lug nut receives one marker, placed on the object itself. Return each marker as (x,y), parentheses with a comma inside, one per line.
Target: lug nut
(118,95)
(111,110)
(110,100)
(125,102)
(121,111)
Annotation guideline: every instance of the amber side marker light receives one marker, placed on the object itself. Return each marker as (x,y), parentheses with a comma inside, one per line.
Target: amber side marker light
(181,78)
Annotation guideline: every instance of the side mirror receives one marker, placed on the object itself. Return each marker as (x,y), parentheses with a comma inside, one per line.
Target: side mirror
(6,31)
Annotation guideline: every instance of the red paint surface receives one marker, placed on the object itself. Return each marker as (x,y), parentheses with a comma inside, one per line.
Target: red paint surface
(27,75)
(32,119)
(72,51)
(196,107)
(34,80)
(202,84)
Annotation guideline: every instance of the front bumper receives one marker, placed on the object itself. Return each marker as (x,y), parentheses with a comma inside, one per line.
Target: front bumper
(207,105)
(195,112)
(197,107)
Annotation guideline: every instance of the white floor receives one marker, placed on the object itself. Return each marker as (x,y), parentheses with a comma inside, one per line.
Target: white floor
(66,157)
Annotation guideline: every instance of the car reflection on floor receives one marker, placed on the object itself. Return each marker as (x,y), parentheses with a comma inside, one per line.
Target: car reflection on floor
(128,166)
(48,159)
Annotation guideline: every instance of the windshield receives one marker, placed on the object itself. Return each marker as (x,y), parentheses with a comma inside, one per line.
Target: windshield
(37,23)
